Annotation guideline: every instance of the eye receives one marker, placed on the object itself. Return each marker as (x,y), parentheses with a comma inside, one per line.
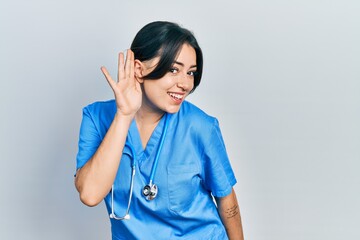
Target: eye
(192,73)
(174,70)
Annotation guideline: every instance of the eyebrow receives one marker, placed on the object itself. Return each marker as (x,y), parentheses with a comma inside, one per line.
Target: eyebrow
(181,64)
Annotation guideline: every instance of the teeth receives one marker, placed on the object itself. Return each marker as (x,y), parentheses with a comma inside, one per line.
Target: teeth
(176,96)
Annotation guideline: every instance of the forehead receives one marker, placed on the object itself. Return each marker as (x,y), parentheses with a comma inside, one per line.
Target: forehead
(187,55)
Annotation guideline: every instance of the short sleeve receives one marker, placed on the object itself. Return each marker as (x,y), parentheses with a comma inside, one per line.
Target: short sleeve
(219,177)
(89,139)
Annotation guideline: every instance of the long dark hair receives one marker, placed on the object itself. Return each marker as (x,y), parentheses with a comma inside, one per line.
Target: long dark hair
(165,39)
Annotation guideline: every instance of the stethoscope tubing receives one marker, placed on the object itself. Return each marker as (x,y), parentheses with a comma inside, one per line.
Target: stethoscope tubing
(150,186)
(133,166)
(154,167)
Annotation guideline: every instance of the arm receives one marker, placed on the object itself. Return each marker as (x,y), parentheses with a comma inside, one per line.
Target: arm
(230,215)
(94,180)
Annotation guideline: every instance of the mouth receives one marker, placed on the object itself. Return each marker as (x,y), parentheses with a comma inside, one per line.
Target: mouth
(177,97)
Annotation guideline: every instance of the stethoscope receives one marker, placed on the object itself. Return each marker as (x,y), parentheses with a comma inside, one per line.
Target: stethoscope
(150,190)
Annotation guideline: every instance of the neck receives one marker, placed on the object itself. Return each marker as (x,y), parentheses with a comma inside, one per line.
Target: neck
(146,122)
(146,117)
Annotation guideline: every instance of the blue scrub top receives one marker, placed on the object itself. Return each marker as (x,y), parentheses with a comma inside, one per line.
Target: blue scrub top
(193,165)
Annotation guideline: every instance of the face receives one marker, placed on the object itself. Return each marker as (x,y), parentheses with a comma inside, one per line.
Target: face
(167,93)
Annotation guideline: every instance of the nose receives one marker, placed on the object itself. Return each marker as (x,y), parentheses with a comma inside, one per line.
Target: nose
(185,82)
(183,86)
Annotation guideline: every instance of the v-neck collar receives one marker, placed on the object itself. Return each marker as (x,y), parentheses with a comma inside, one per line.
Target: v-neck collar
(153,142)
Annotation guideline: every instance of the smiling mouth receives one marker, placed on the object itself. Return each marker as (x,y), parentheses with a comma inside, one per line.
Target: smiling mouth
(177,97)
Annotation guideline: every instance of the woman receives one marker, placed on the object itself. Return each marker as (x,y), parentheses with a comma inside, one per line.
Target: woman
(175,148)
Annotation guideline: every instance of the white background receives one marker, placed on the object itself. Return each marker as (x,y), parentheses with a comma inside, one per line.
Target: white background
(282,77)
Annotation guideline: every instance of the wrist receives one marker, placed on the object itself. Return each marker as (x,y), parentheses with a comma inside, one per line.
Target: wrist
(120,117)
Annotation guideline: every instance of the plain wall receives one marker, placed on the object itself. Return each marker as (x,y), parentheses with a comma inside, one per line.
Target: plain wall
(282,77)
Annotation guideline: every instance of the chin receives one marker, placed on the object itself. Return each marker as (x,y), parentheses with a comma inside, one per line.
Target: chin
(173,109)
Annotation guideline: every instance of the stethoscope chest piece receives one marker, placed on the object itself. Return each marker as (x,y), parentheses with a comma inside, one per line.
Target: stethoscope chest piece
(150,191)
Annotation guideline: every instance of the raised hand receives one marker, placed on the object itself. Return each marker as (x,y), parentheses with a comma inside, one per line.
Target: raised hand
(126,89)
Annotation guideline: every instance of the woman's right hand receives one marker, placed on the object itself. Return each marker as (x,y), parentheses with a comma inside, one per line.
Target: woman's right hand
(126,89)
(94,180)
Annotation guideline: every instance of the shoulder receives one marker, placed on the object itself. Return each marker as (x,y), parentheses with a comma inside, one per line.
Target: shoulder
(100,107)
(101,112)
(192,115)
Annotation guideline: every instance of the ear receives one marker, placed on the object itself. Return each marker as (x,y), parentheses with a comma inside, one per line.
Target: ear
(139,69)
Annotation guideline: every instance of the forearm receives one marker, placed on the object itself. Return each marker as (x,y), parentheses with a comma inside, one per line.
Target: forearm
(230,215)
(94,180)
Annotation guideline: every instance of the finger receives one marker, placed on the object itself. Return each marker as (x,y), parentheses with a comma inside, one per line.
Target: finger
(138,86)
(129,63)
(121,64)
(108,77)
(132,66)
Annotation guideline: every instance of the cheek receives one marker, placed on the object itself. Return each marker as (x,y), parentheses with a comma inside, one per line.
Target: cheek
(192,82)
(153,89)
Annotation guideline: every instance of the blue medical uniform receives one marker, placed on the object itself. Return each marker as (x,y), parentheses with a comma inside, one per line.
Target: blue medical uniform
(193,166)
